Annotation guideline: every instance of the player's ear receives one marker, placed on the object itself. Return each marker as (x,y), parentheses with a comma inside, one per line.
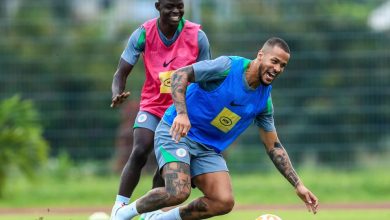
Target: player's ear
(260,54)
(157,5)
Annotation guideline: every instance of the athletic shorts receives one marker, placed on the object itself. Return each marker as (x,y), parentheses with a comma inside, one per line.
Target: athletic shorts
(200,158)
(146,120)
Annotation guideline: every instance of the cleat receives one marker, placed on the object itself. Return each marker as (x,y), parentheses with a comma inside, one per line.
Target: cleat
(115,209)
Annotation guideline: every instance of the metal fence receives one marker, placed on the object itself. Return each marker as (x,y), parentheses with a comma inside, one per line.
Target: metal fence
(332,104)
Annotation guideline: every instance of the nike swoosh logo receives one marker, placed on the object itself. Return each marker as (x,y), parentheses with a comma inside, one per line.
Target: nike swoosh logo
(165,64)
(235,104)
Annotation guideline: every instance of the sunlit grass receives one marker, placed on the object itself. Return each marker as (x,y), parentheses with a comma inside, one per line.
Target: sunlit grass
(80,188)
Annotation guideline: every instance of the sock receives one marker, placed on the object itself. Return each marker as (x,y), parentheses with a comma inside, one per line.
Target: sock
(127,211)
(122,199)
(119,201)
(171,214)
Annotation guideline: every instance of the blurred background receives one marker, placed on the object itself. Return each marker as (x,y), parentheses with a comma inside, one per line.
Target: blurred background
(57,60)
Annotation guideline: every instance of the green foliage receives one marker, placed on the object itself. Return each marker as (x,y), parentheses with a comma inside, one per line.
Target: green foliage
(21,141)
(73,63)
(61,167)
(332,99)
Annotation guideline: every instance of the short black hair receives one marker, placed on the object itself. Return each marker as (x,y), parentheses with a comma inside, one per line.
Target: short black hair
(275,41)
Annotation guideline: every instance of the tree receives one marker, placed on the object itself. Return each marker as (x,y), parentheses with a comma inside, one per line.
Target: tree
(21,142)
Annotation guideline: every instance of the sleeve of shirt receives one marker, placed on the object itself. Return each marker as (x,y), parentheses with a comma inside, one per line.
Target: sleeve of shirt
(204,47)
(265,119)
(135,46)
(212,70)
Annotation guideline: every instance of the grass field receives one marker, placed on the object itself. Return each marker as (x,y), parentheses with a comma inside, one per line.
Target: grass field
(78,188)
(242,215)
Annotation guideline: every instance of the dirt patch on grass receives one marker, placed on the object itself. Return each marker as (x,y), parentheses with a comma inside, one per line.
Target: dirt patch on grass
(82,210)
(335,206)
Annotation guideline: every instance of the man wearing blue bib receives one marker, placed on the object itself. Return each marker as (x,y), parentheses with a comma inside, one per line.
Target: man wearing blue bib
(226,95)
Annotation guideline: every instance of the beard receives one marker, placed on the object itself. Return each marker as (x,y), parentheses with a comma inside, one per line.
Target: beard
(260,76)
(263,82)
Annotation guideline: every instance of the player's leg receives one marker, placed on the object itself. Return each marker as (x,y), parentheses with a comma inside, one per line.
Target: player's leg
(131,172)
(143,141)
(210,174)
(142,147)
(217,200)
(174,161)
(177,189)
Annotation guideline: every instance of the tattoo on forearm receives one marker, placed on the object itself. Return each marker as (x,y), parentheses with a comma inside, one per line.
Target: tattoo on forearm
(282,162)
(179,83)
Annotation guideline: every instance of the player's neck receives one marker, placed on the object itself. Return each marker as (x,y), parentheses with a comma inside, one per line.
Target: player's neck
(167,30)
(251,74)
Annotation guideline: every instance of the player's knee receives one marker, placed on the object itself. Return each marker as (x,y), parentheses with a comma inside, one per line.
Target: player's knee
(177,197)
(227,206)
(139,154)
(223,205)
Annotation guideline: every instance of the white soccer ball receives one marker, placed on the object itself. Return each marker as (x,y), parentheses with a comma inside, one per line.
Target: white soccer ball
(99,216)
(268,217)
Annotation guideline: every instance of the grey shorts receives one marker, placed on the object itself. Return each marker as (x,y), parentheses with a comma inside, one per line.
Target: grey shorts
(146,120)
(200,158)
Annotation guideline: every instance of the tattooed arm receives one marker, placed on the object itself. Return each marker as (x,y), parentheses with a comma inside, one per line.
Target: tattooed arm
(179,81)
(279,156)
(282,162)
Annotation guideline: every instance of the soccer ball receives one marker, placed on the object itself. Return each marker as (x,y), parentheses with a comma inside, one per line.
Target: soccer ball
(268,217)
(99,216)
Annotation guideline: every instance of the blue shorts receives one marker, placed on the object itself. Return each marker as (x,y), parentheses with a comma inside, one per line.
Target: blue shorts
(200,158)
(146,120)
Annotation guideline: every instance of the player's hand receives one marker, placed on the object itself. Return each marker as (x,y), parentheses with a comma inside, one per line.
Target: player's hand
(308,197)
(119,99)
(180,127)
